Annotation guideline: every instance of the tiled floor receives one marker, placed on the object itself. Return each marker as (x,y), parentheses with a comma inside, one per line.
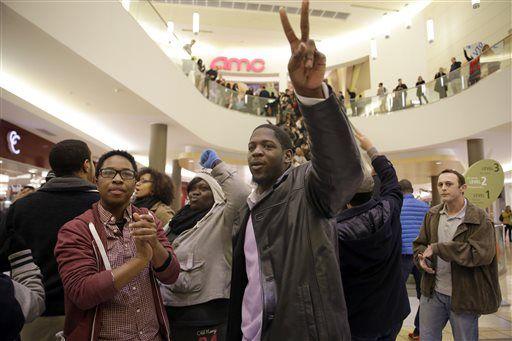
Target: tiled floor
(496,326)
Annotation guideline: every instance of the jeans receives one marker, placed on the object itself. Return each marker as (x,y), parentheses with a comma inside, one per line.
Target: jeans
(436,311)
(409,267)
(389,335)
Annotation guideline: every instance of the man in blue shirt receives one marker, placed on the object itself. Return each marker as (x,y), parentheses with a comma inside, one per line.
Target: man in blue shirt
(413,212)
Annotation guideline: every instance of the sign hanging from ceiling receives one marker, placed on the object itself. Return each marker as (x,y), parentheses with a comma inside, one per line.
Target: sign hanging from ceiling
(485,180)
(238,64)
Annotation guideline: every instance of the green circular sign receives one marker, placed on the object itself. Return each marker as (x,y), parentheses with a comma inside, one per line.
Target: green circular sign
(485,180)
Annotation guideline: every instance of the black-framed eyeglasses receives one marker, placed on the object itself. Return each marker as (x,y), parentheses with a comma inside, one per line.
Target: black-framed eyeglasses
(110,173)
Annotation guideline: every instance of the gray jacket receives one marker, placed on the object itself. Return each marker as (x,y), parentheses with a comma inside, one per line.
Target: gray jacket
(205,251)
(301,281)
(28,285)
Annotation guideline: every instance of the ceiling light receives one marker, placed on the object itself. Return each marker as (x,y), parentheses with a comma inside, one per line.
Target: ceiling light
(170,29)
(32,171)
(408,22)
(4,178)
(430,30)
(55,107)
(438,162)
(387,26)
(126,4)
(475,4)
(373,48)
(195,23)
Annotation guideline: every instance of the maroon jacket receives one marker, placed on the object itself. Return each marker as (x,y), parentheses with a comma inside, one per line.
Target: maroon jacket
(86,282)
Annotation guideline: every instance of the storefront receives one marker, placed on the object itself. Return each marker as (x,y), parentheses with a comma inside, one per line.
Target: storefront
(23,161)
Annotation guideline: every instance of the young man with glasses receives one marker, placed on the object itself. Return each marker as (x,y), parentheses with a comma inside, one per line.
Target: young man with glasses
(109,259)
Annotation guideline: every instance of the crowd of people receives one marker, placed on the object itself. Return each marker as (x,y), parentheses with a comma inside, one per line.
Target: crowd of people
(238,96)
(443,82)
(317,250)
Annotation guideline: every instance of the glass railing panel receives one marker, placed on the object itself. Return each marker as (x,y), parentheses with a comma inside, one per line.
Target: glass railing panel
(492,60)
(236,100)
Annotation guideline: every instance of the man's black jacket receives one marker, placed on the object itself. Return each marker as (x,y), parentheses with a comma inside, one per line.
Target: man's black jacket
(370,246)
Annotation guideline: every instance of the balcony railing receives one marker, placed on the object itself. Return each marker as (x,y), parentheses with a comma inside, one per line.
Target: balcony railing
(496,58)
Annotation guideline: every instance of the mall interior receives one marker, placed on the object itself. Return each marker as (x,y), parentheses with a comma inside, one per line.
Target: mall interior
(167,79)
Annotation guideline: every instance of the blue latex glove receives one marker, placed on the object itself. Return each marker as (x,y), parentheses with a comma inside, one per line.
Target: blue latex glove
(208,158)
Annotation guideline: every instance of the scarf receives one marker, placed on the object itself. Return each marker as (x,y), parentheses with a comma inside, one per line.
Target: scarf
(185,219)
(146,202)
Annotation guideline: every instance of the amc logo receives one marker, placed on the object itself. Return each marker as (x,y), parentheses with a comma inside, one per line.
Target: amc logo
(224,63)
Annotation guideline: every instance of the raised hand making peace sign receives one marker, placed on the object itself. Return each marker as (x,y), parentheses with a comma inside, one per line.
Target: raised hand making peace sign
(307,65)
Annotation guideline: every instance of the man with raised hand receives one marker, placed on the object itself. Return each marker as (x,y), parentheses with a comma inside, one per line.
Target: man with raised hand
(286,282)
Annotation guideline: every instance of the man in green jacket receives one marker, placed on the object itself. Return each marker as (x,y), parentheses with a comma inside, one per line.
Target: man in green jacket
(456,248)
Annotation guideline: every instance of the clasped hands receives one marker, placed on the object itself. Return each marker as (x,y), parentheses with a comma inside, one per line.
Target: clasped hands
(144,232)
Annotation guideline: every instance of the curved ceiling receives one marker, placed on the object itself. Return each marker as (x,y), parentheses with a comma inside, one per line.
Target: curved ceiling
(100,59)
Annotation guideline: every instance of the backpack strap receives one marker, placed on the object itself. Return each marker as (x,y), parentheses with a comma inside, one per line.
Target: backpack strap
(103,253)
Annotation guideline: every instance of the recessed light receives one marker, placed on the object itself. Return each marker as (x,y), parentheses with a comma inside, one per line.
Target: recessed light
(438,162)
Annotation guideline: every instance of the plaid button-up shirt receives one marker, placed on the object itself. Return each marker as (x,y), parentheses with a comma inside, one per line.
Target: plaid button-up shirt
(131,314)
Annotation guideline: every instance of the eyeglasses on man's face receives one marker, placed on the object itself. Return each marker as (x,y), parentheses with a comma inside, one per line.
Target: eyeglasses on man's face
(110,173)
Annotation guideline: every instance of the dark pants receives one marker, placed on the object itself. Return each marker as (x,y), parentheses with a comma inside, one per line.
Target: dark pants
(508,230)
(408,267)
(211,333)
(389,335)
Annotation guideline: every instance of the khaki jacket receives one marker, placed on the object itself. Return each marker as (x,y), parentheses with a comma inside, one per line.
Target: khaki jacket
(163,212)
(472,253)
(204,251)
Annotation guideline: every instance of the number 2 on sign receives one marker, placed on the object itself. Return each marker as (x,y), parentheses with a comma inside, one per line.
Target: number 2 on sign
(484,181)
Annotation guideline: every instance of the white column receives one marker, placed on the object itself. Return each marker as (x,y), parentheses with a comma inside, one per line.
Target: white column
(283,81)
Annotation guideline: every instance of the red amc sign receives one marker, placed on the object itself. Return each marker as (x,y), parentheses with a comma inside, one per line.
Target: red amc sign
(225,63)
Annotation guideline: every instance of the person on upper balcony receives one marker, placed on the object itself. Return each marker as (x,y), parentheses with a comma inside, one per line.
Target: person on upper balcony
(263,92)
(213,73)
(454,76)
(400,95)
(420,90)
(286,282)
(440,86)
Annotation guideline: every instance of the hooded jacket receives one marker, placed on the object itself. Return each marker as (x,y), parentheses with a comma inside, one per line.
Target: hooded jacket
(38,217)
(204,251)
(370,241)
